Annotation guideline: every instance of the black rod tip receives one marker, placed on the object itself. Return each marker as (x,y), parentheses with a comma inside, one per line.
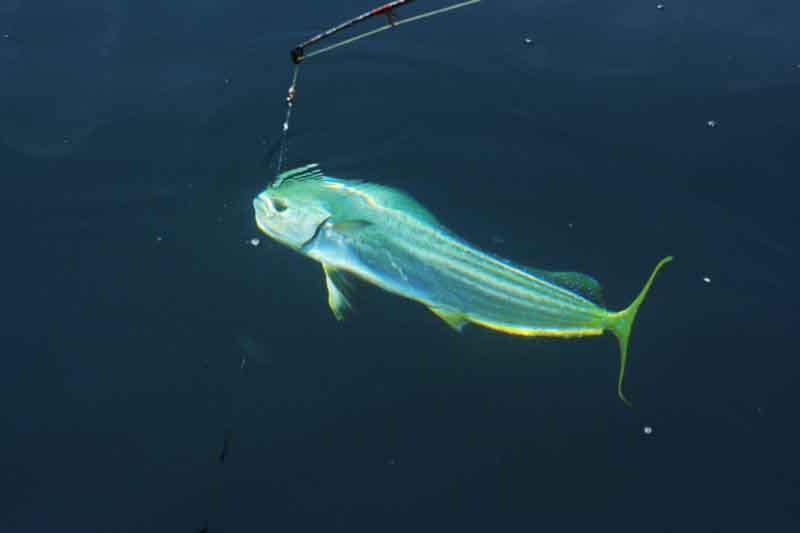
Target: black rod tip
(297,55)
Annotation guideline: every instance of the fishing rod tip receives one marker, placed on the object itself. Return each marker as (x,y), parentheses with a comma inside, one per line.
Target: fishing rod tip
(297,54)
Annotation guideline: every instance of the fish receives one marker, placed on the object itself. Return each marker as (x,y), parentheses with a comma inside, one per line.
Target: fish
(364,230)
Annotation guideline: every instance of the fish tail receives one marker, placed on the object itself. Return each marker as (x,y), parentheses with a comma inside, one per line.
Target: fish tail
(620,324)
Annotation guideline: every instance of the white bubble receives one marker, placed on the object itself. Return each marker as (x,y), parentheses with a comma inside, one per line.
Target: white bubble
(255,241)
(707,279)
(527,40)
(659,6)
(647,430)
(711,123)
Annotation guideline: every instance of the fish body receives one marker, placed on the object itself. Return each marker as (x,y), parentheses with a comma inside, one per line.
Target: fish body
(387,238)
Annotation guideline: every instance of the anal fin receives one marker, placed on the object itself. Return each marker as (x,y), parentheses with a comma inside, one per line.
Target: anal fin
(455,319)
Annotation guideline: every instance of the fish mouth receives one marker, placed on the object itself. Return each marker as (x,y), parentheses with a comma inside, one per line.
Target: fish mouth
(263,214)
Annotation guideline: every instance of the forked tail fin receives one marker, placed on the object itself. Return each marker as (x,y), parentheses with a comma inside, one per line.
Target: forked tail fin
(620,325)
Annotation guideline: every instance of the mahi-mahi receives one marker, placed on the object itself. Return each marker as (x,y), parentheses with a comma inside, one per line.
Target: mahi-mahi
(385,237)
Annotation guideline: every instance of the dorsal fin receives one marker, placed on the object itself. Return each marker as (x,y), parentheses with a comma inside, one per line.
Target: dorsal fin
(581,284)
(307,172)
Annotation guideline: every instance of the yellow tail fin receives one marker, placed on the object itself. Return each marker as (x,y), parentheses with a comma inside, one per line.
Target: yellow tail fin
(620,324)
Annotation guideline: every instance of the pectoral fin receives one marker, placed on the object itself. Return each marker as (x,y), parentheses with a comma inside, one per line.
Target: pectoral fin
(454,319)
(339,290)
(351,226)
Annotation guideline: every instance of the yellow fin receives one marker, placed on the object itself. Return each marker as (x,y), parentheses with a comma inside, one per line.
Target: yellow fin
(455,319)
(338,289)
(620,325)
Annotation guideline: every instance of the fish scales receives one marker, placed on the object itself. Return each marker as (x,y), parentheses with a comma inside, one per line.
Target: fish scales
(453,263)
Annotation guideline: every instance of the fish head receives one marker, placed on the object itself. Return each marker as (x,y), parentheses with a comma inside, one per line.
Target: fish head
(291,212)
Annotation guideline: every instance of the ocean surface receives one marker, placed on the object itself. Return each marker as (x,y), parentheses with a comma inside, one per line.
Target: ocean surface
(161,371)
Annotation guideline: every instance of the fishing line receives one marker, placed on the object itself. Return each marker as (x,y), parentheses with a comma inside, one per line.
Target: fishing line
(285,133)
(298,53)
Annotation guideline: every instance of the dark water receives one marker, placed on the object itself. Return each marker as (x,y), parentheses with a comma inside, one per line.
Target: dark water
(133,137)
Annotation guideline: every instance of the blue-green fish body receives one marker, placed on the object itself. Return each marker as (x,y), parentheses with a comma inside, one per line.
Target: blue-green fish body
(387,238)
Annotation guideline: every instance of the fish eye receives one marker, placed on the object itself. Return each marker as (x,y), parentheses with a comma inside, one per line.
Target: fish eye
(279,205)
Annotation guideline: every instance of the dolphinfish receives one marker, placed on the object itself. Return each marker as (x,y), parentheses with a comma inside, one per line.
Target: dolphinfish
(387,238)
